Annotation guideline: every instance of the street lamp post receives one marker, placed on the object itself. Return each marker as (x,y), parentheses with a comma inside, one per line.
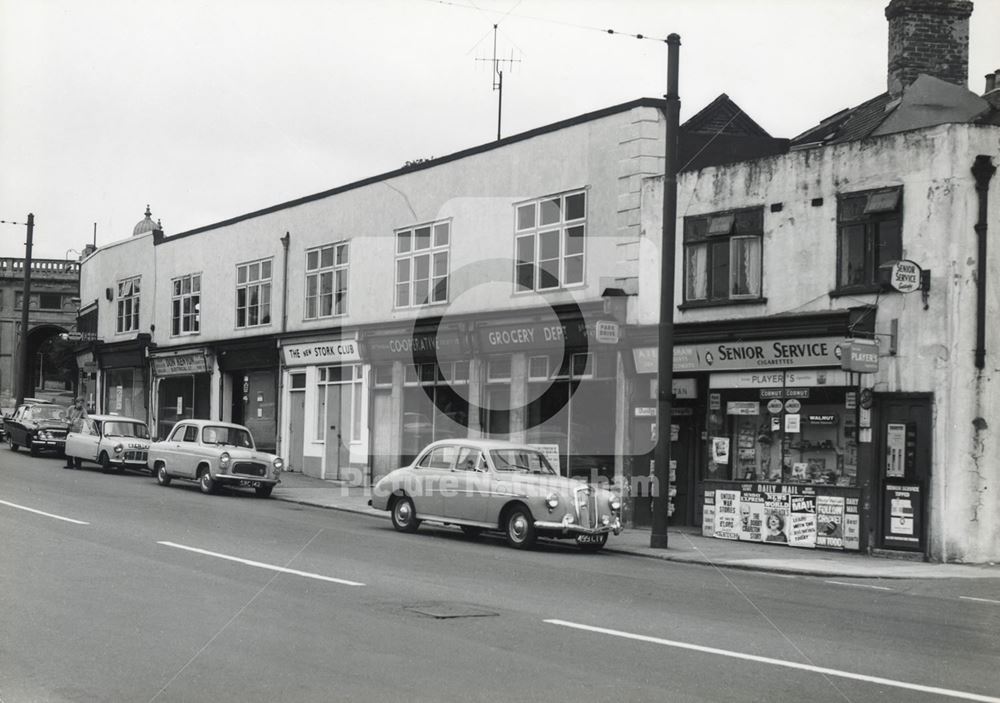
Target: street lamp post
(665,352)
(22,348)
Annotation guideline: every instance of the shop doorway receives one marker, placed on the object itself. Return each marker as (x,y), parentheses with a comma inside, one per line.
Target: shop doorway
(683,478)
(903,431)
(296,421)
(254,406)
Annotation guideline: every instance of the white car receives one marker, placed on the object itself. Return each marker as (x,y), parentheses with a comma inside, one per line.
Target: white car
(112,441)
(214,454)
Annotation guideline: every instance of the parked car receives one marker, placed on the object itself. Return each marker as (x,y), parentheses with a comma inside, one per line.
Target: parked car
(4,414)
(112,441)
(214,454)
(37,425)
(493,485)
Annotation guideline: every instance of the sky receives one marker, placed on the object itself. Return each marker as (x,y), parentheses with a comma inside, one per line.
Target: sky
(209,109)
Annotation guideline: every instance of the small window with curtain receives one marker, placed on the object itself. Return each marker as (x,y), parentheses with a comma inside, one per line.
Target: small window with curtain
(869,236)
(722,257)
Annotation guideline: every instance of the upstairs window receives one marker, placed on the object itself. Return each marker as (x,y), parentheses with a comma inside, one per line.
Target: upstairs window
(185,301)
(422,255)
(127,319)
(326,281)
(253,294)
(549,242)
(869,235)
(722,256)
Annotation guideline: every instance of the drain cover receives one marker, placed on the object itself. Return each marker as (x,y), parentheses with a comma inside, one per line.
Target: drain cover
(443,611)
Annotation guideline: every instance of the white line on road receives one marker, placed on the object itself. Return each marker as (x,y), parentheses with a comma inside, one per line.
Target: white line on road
(980,600)
(779,662)
(39,512)
(262,565)
(860,585)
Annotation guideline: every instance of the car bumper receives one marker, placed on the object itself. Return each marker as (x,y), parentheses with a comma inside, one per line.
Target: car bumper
(246,481)
(572,528)
(48,445)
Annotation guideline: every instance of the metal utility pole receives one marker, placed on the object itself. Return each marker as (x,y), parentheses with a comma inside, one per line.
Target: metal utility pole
(665,354)
(22,347)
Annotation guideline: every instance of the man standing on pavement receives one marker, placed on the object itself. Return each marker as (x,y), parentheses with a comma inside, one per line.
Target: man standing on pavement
(76,412)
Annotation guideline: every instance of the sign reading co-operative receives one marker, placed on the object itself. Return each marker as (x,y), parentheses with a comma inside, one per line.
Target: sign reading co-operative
(772,353)
(334,351)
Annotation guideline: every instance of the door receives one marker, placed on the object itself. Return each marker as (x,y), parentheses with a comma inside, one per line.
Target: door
(682,480)
(338,430)
(297,425)
(254,406)
(383,461)
(902,470)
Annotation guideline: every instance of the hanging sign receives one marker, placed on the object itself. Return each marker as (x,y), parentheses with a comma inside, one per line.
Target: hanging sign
(859,356)
(905,276)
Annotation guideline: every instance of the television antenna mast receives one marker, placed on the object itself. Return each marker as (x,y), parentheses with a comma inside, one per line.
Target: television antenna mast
(498,76)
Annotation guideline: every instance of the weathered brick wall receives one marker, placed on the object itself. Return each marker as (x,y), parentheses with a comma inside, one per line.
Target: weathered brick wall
(928,36)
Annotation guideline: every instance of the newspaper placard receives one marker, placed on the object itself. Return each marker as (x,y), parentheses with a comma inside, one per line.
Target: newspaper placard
(830,522)
(802,519)
(776,518)
(752,516)
(852,524)
(727,514)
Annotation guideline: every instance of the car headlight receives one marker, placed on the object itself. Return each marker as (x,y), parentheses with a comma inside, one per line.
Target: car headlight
(552,501)
(119,448)
(278,464)
(616,503)
(42,434)
(224,460)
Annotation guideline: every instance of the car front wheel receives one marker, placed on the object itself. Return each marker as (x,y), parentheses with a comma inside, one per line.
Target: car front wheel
(520,530)
(206,483)
(105,462)
(11,444)
(404,516)
(162,477)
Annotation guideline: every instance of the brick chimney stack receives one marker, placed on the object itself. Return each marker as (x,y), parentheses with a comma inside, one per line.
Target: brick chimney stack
(928,36)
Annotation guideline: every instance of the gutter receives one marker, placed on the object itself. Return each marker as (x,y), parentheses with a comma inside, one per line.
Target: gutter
(983,170)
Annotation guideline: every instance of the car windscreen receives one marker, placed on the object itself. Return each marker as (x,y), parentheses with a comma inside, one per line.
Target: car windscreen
(216,434)
(523,460)
(113,428)
(48,412)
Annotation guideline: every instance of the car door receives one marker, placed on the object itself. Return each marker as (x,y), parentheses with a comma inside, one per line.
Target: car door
(83,439)
(433,476)
(471,483)
(170,450)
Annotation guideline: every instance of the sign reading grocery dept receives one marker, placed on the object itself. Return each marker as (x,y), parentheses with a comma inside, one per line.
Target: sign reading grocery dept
(772,353)
(535,335)
(338,351)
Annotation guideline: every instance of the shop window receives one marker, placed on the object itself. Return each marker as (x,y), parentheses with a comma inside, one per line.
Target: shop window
(422,265)
(549,236)
(383,375)
(326,281)
(350,408)
(253,294)
(127,319)
(498,368)
(185,316)
(722,257)
(869,236)
(298,381)
(435,405)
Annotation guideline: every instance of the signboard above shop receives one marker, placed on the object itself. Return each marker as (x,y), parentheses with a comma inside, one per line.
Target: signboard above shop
(331,351)
(180,364)
(729,356)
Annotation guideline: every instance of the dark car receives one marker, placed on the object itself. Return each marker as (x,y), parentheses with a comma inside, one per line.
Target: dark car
(37,426)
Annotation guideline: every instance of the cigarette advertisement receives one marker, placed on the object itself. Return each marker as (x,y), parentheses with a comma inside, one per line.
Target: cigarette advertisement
(727,514)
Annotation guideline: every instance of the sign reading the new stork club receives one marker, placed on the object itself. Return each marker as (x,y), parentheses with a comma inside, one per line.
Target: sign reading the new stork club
(331,351)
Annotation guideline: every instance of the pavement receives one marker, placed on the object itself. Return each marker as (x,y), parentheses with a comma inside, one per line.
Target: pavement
(685,545)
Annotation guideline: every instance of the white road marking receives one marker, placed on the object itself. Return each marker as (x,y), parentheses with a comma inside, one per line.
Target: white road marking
(779,662)
(262,565)
(861,585)
(39,512)
(980,600)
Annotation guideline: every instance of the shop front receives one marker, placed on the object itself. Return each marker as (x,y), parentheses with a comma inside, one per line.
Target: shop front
(784,446)
(124,377)
(420,390)
(250,387)
(549,382)
(182,382)
(326,418)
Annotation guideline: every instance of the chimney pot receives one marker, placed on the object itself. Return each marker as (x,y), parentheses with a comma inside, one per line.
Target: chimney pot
(991,82)
(928,36)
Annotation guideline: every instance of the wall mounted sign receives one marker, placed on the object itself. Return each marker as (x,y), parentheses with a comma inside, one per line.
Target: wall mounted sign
(859,355)
(777,353)
(905,276)
(333,351)
(180,364)
(553,335)
(607,332)
(417,346)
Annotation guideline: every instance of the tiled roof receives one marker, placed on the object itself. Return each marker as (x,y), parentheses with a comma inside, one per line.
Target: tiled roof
(848,125)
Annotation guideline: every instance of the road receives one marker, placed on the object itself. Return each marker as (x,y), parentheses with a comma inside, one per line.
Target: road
(115,589)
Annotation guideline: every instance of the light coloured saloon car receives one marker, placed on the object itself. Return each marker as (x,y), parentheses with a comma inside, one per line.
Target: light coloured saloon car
(493,485)
(214,454)
(112,441)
